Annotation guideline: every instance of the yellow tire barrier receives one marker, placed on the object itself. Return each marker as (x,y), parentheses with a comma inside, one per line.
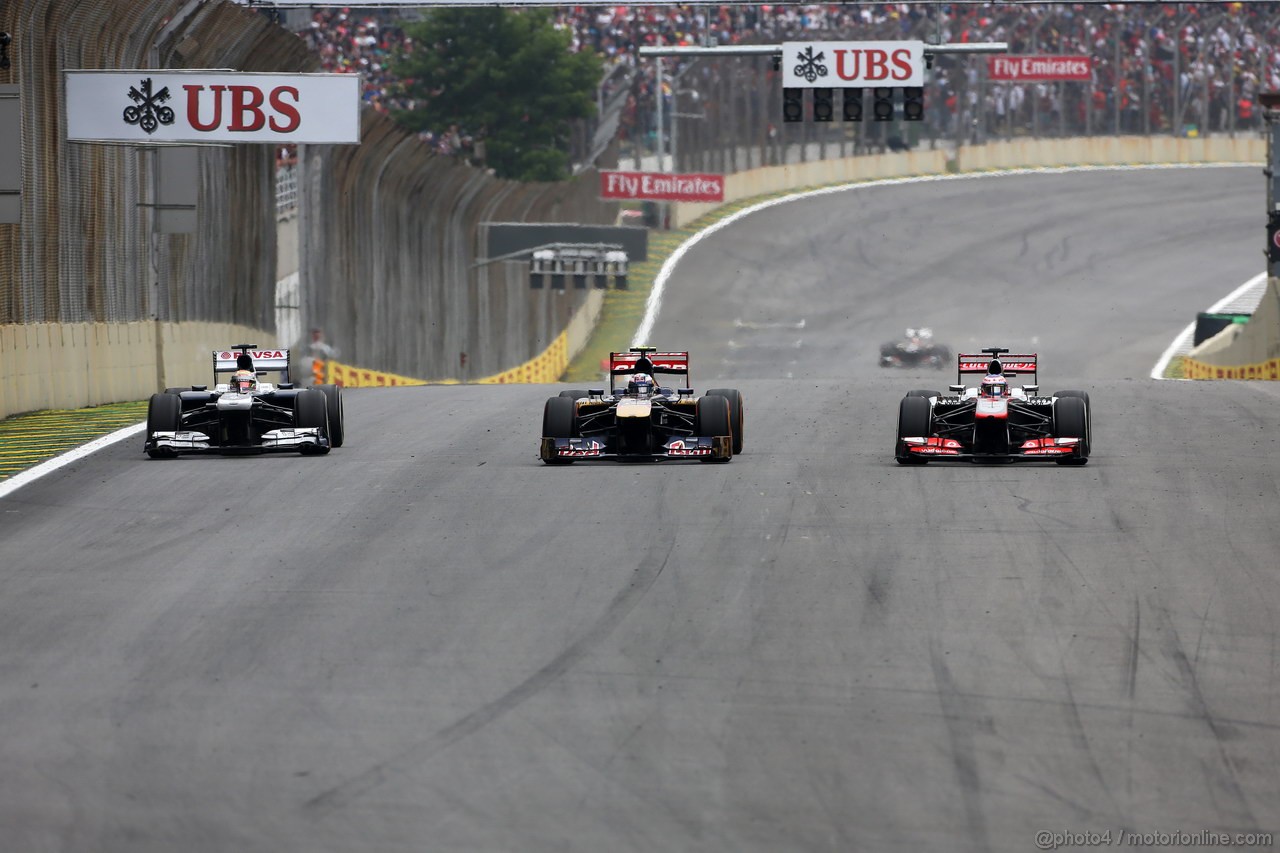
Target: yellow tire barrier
(1193,369)
(546,367)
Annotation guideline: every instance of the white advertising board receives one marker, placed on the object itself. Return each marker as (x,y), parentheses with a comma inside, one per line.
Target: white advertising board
(852,64)
(212,106)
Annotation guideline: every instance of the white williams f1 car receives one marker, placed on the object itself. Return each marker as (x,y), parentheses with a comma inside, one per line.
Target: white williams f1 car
(994,422)
(639,418)
(245,415)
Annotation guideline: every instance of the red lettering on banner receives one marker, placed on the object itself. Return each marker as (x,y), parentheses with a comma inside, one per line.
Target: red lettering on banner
(193,107)
(246,113)
(246,100)
(877,65)
(289,111)
(841,72)
(902,59)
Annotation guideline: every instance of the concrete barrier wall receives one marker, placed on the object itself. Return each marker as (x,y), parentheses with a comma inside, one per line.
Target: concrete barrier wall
(1249,351)
(73,365)
(1098,151)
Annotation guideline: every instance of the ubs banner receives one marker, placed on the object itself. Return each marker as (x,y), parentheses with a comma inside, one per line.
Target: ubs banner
(852,64)
(212,106)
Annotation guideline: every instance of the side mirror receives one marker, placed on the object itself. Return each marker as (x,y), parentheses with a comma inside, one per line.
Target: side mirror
(1031,389)
(956,389)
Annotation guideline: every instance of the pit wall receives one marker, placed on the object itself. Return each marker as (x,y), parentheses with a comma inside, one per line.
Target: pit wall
(74,365)
(1097,151)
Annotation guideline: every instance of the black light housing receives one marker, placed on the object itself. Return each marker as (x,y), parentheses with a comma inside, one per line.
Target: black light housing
(824,105)
(853,105)
(913,103)
(792,104)
(882,110)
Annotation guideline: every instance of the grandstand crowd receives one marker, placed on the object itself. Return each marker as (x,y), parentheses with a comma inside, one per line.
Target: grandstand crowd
(1206,60)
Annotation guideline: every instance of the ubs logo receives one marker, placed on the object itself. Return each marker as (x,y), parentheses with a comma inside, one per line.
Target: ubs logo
(148,110)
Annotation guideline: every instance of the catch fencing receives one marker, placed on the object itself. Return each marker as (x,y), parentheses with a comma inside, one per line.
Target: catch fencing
(86,250)
(392,257)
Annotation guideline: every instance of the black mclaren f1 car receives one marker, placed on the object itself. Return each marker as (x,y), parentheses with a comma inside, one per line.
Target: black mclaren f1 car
(245,415)
(994,422)
(638,418)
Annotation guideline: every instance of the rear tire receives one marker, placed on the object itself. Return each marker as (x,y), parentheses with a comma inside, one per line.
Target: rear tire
(164,414)
(915,419)
(311,411)
(712,417)
(1070,420)
(735,413)
(333,406)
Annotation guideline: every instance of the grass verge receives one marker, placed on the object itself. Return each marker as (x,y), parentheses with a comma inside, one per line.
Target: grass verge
(31,438)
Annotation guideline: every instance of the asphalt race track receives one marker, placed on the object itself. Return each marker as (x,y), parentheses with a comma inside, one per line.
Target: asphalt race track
(430,641)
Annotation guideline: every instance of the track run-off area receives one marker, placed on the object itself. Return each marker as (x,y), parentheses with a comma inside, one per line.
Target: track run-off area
(428,640)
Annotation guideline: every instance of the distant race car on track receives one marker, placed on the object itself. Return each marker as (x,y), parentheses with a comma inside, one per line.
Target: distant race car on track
(638,418)
(994,422)
(915,349)
(245,415)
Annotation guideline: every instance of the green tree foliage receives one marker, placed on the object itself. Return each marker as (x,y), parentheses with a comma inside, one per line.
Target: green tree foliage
(508,78)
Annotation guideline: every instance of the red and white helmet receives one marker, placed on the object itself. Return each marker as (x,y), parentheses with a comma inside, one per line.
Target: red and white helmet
(994,385)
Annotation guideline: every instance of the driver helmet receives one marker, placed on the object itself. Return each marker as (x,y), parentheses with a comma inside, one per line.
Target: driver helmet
(994,385)
(641,383)
(244,382)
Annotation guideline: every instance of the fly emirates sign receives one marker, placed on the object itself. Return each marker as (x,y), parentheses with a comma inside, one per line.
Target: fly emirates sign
(656,186)
(212,106)
(852,64)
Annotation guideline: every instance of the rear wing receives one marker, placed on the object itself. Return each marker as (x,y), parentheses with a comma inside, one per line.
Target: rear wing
(649,360)
(1011,364)
(264,360)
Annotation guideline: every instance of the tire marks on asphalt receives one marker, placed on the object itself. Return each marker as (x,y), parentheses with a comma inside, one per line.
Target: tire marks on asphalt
(645,575)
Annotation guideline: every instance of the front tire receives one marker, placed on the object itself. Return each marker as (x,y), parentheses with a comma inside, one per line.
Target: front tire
(915,420)
(558,417)
(311,411)
(333,407)
(735,413)
(1088,417)
(712,417)
(164,414)
(574,394)
(1070,420)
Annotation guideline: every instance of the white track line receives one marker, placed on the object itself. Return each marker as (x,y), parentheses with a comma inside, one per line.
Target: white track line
(22,478)
(654,304)
(1182,343)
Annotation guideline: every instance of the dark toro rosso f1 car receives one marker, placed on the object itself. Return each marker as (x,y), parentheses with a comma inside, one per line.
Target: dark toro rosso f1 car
(640,419)
(245,415)
(994,422)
